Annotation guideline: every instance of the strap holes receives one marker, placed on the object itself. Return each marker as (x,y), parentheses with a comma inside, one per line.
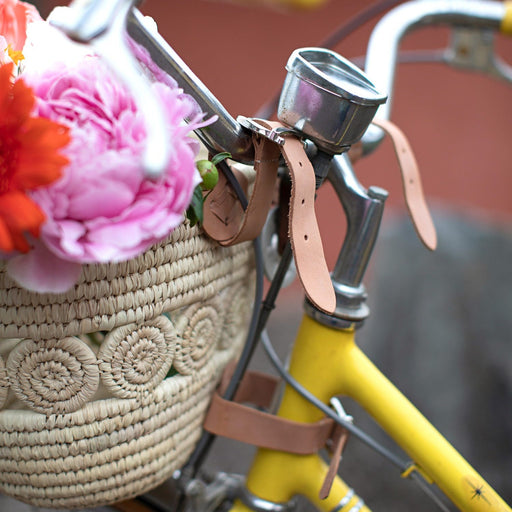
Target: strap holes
(300,163)
(306,237)
(303,201)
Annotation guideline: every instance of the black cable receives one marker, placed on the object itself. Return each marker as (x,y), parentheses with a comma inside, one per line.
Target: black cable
(228,173)
(264,312)
(206,440)
(360,434)
(372,11)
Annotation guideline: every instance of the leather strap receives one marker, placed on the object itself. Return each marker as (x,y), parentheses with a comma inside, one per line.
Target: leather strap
(239,422)
(411,182)
(224,218)
(226,222)
(236,421)
(340,438)
(303,228)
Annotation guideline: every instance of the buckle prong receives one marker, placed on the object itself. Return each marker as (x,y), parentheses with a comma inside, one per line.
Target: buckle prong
(275,134)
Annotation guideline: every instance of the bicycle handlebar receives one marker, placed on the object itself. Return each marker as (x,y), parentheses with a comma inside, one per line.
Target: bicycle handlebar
(381,56)
(226,134)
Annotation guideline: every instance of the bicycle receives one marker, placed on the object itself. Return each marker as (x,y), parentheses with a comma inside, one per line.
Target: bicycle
(275,492)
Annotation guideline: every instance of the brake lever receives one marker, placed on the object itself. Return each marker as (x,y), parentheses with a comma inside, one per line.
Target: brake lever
(102,25)
(474,50)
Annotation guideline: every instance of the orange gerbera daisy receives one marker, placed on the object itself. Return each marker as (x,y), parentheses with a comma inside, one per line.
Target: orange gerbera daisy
(29,158)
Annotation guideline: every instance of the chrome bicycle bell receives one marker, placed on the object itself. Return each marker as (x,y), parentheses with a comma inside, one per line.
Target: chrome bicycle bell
(327,99)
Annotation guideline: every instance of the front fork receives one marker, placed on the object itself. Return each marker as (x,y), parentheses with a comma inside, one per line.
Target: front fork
(328,363)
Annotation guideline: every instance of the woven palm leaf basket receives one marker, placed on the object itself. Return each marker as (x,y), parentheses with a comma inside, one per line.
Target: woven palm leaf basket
(103,389)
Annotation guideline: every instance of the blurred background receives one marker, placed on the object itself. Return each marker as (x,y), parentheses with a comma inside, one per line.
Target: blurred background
(441,322)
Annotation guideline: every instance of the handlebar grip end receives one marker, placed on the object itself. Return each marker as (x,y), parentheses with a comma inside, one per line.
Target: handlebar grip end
(506,22)
(303,4)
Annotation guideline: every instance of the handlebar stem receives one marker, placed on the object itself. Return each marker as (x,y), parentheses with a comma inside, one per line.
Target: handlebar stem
(226,134)
(364,210)
(382,52)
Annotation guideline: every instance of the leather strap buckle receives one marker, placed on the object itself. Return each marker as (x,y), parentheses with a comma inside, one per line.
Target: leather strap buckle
(274,134)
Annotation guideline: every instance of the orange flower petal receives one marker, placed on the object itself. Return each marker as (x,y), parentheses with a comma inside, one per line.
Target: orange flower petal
(19,214)
(5,84)
(31,146)
(39,162)
(19,104)
(30,157)
(6,241)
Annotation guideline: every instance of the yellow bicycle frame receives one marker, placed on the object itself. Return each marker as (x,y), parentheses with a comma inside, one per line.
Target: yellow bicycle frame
(328,363)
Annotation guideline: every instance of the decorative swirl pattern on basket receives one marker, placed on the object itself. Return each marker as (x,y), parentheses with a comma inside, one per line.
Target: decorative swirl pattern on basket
(53,376)
(113,448)
(4,383)
(200,327)
(238,302)
(134,359)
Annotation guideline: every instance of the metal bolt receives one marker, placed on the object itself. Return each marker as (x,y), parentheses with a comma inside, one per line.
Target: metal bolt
(195,488)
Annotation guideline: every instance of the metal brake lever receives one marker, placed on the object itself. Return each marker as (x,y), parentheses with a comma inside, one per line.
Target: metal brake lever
(474,50)
(102,25)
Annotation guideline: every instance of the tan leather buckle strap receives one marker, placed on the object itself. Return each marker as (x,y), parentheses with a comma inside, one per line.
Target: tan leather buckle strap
(240,422)
(226,222)
(411,182)
(258,428)
(303,228)
(339,440)
(237,421)
(224,218)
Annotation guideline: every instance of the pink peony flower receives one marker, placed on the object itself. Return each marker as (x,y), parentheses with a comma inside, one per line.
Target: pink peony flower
(14,18)
(103,209)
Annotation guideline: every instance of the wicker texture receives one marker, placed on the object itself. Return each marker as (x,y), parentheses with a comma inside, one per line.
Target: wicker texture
(87,423)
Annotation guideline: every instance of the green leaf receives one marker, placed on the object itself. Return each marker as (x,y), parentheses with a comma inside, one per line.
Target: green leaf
(195,209)
(217,159)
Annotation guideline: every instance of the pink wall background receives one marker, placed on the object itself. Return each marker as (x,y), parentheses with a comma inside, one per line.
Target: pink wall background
(459,124)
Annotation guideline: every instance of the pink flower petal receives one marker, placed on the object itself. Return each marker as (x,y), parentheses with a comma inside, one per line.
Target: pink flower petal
(108,199)
(41,271)
(103,209)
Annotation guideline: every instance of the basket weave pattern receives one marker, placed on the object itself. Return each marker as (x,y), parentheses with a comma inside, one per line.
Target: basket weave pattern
(85,423)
